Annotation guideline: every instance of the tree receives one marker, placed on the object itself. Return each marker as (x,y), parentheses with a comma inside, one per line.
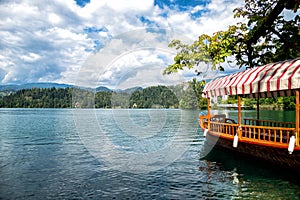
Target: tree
(38,98)
(189,99)
(153,97)
(265,37)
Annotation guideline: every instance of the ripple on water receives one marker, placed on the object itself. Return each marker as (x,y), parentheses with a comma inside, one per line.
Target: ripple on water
(43,157)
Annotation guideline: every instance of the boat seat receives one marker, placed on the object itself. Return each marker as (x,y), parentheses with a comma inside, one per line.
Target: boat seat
(218,118)
(229,121)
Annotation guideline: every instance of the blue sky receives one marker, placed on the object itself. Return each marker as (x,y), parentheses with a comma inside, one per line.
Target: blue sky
(52,41)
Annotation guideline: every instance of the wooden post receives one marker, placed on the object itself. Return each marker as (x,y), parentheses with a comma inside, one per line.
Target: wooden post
(257,111)
(208,113)
(297,117)
(239,111)
(239,117)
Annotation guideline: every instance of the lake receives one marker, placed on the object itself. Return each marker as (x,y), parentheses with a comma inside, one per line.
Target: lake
(127,154)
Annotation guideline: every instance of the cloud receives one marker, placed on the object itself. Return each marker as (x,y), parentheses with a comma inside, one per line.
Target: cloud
(30,57)
(35,49)
(143,68)
(137,55)
(52,41)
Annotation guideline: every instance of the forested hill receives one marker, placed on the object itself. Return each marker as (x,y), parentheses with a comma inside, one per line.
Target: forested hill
(38,98)
(186,96)
(54,98)
(151,97)
(11,87)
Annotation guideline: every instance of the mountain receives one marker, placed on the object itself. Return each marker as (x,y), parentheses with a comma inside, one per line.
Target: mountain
(133,89)
(15,87)
(103,89)
(32,85)
(128,90)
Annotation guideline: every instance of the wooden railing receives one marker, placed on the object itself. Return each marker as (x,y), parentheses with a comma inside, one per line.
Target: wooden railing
(229,129)
(259,122)
(268,131)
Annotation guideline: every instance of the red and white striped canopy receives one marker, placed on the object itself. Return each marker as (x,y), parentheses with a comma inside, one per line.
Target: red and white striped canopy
(271,80)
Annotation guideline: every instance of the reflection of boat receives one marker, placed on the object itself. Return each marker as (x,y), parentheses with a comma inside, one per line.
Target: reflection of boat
(272,141)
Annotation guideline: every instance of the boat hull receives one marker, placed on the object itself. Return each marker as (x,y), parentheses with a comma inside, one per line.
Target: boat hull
(279,157)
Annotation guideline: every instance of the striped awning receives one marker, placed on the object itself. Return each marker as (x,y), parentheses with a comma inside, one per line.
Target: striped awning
(271,80)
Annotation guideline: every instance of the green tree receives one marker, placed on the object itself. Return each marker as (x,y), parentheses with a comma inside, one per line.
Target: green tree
(38,98)
(289,103)
(103,100)
(189,99)
(265,37)
(154,96)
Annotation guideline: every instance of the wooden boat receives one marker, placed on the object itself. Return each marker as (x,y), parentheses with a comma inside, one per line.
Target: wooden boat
(270,141)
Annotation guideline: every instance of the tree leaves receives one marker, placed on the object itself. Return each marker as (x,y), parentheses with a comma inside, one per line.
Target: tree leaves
(266,36)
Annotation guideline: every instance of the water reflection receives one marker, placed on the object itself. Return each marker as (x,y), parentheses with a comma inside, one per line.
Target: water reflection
(42,157)
(249,178)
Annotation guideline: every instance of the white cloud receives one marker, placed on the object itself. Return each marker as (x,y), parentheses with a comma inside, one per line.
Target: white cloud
(50,41)
(139,68)
(197,9)
(136,55)
(130,5)
(54,18)
(31,57)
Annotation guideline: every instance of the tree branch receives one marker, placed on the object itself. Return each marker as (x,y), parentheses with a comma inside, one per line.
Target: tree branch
(261,29)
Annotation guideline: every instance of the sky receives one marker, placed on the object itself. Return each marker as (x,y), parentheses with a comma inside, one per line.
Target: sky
(112,43)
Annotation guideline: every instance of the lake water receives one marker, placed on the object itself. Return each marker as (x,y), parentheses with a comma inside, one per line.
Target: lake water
(127,154)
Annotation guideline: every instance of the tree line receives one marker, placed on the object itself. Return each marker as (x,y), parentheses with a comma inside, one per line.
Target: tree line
(184,96)
(180,96)
(38,98)
(274,103)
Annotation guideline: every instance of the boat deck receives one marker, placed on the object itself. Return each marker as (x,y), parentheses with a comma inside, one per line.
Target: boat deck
(262,132)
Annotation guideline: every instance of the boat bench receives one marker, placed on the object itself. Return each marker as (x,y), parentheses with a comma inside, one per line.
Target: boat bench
(222,118)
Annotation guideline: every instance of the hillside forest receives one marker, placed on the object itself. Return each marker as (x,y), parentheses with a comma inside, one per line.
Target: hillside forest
(179,96)
(183,96)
